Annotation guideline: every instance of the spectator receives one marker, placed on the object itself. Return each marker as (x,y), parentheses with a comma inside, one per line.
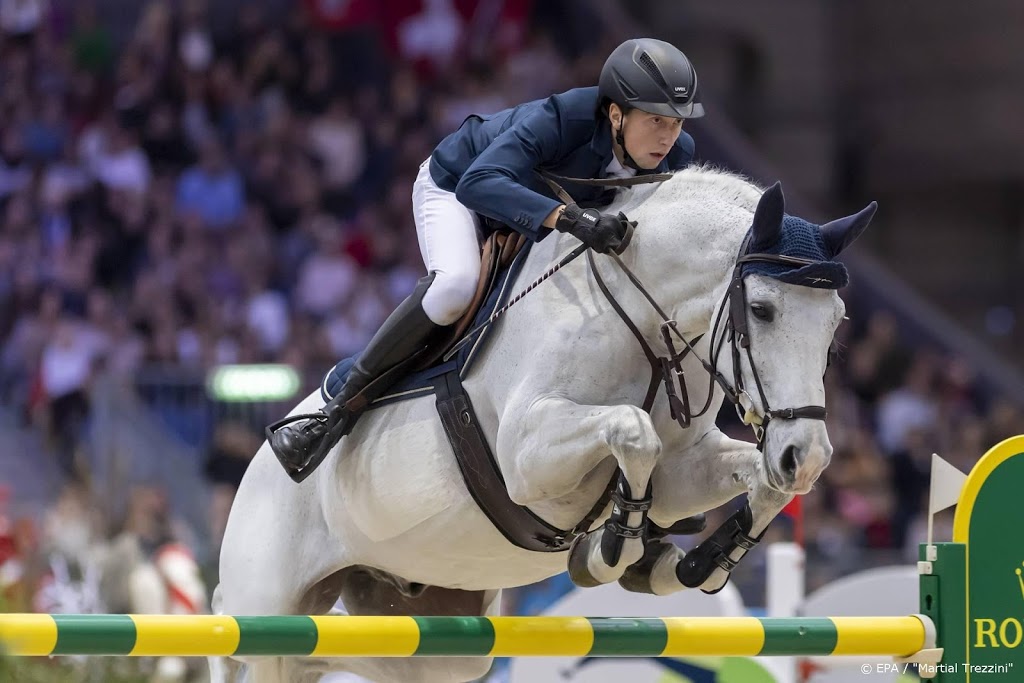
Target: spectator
(91,42)
(911,407)
(118,162)
(911,471)
(15,171)
(21,18)
(232,448)
(329,277)
(46,133)
(65,371)
(433,36)
(212,190)
(877,358)
(337,140)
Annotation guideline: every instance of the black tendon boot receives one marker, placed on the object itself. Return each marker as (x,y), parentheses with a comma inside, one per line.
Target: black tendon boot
(301,442)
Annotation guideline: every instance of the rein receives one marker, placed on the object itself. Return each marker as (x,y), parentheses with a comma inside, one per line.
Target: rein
(669,370)
(734,332)
(550,178)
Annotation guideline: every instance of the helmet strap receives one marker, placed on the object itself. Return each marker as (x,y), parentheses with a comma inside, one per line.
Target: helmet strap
(620,138)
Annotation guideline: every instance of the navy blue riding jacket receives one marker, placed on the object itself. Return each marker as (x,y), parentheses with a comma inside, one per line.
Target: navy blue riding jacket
(490,162)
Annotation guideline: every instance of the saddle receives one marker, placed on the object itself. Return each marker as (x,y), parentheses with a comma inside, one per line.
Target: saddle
(496,256)
(501,258)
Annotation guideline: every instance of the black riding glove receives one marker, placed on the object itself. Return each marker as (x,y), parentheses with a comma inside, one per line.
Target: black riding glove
(599,231)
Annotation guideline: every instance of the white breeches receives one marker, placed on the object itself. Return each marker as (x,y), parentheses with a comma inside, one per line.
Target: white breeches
(448,237)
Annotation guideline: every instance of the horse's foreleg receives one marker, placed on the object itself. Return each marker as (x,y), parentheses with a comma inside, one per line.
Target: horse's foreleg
(710,563)
(712,472)
(552,446)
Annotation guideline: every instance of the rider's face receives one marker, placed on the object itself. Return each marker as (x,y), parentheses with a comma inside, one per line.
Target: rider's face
(648,137)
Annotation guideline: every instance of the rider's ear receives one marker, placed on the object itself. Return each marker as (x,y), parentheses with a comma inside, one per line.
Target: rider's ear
(840,233)
(767,225)
(615,115)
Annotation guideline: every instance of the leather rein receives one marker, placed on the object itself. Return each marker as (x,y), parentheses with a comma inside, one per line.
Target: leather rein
(734,333)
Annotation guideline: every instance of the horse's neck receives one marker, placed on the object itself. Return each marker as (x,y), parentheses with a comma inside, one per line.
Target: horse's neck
(684,251)
(577,345)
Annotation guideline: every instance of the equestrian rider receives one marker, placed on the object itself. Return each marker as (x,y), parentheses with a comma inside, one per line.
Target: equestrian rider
(630,123)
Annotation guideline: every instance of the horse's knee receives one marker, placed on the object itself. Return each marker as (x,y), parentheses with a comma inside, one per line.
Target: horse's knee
(449,295)
(630,433)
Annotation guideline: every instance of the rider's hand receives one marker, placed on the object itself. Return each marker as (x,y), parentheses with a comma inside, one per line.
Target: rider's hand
(599,231)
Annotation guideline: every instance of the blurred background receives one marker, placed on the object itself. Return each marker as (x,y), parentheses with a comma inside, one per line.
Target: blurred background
(196,193)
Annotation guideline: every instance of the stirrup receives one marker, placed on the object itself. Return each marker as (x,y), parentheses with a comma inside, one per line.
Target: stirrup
(272,428)
(300,472)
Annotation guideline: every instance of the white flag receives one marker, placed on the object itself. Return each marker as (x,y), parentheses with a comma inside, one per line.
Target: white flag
(947,481)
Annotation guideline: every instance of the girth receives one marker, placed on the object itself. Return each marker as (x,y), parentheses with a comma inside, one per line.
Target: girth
(486,485)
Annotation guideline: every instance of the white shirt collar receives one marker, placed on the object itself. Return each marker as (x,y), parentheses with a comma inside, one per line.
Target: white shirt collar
(617,170)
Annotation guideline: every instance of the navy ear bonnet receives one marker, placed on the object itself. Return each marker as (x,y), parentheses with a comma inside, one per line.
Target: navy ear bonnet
(802,240)
(775,232)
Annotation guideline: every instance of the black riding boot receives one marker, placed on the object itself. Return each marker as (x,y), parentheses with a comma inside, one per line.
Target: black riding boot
(302,442)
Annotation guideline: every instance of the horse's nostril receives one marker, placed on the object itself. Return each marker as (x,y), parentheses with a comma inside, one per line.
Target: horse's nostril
(789,461)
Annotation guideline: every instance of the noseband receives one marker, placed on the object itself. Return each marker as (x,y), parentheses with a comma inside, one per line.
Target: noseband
(669,370)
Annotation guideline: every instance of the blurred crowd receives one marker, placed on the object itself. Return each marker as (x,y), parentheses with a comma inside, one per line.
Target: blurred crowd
(892,404)
(185,197)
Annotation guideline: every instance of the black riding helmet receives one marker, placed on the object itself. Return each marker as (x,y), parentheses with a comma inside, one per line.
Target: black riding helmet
(653,76)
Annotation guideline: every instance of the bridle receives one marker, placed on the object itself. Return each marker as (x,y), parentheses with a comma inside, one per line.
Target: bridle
(734,333)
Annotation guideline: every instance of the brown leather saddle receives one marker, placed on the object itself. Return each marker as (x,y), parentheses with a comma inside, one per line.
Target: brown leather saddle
(496,255)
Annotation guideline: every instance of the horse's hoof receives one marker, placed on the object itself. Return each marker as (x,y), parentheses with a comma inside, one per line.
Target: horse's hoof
(716,590)
(637,578)
(578,565)
(715,551)
(696,567)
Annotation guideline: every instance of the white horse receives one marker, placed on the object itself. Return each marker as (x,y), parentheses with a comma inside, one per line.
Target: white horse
(387,524)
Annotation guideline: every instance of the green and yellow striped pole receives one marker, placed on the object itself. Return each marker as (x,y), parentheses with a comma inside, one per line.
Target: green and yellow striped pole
(348,636)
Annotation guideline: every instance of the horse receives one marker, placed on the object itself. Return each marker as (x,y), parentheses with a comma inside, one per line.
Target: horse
(387,524)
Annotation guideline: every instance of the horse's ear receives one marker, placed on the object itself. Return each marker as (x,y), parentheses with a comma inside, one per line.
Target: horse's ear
(840,233)
(767,225)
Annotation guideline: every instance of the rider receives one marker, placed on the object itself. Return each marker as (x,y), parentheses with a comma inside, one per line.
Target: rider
(630,123)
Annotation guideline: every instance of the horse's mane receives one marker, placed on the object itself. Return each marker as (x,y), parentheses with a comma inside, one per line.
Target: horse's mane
(698,182)
(699,179)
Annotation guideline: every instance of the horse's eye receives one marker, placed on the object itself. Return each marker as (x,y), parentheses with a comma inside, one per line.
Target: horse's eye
(762,312)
